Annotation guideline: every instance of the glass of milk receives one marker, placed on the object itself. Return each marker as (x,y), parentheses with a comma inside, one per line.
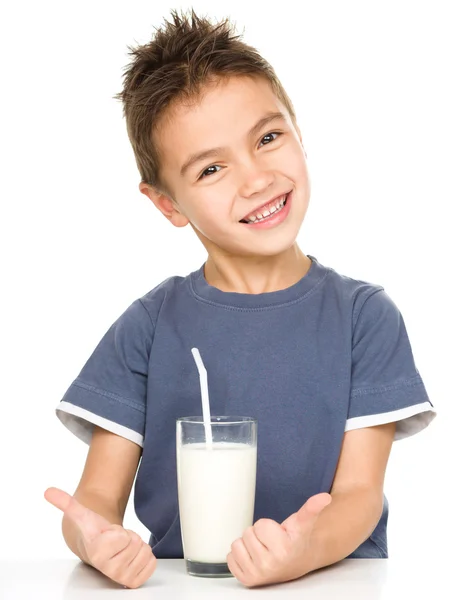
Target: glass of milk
(216,489)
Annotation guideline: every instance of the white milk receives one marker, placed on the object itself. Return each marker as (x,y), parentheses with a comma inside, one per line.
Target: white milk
(216,490)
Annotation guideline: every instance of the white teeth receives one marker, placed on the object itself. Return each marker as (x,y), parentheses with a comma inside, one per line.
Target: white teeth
(276,208)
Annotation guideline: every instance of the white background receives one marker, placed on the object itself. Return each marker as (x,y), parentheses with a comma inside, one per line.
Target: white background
(379,92)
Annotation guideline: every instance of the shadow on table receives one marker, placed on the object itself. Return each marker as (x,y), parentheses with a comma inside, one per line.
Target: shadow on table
(357,578)
(352,579)
(84,579)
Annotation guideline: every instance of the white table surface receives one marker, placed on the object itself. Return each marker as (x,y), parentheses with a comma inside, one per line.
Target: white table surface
(351,579)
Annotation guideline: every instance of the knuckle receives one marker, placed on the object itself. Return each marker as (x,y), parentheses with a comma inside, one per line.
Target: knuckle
(261,522)
(266,528)
(261,525)
(134,536)
(112,541)
(142,554)
(249,532)
(137,545)
(134,547)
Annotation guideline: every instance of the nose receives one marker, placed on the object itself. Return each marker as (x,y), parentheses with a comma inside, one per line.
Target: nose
(254,179)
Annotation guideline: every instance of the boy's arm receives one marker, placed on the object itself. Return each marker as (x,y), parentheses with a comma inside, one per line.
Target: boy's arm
(92,524)
(327,528)
(357,496)
(105,484)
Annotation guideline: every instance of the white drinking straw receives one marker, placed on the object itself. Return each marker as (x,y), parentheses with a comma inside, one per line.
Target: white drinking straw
(204,397)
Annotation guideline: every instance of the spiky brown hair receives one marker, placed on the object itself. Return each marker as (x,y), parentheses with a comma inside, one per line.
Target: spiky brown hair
(183,56)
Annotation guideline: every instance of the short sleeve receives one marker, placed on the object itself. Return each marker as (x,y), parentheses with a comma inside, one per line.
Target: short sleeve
(385,383)
(110,390)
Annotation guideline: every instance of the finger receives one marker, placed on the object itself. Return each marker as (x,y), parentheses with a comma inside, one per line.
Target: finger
(137,539)
(307,515)
(58,498)
(317,503)
(129,547)
(269,533)
(139,562)
(254,546)
(235,568)
(117,566)
(146,572)
(90,523)
(106,546)
(241,555)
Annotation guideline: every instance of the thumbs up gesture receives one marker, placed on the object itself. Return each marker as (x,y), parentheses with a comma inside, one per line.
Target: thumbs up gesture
(270,552)
(118,553)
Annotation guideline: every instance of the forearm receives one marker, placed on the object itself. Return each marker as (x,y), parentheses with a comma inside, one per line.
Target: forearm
(344,525)
(98,504)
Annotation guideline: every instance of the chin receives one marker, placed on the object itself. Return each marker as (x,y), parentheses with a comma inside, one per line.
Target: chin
(269,249)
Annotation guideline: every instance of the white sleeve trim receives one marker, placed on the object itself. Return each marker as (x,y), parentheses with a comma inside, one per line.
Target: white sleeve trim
(81,422)
(409,420)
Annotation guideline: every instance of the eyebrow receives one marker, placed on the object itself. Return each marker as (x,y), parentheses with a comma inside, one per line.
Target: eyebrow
(212,152)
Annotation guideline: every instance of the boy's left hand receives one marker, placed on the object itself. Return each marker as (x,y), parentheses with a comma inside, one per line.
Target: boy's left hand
(272,553)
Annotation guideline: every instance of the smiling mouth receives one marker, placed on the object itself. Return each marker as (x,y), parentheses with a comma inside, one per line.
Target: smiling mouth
(267,212)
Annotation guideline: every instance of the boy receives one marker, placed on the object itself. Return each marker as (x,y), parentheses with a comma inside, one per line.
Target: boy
(322,361)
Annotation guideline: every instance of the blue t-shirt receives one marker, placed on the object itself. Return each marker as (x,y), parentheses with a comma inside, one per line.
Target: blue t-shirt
(324,356)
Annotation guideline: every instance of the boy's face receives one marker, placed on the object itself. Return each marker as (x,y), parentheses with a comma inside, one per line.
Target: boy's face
(252,156)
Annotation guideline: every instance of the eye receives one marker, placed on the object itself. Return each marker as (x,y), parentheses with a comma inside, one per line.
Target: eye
(210,171)
(270,137)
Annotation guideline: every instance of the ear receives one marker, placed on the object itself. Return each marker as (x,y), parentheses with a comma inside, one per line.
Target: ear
(166,205)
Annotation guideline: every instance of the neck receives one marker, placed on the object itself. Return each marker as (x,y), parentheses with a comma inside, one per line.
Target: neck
(256,274)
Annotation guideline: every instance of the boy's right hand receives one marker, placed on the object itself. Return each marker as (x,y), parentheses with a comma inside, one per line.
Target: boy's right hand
(118,553)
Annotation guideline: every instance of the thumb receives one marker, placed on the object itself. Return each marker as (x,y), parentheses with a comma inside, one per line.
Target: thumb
(89,522)
(307,515)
